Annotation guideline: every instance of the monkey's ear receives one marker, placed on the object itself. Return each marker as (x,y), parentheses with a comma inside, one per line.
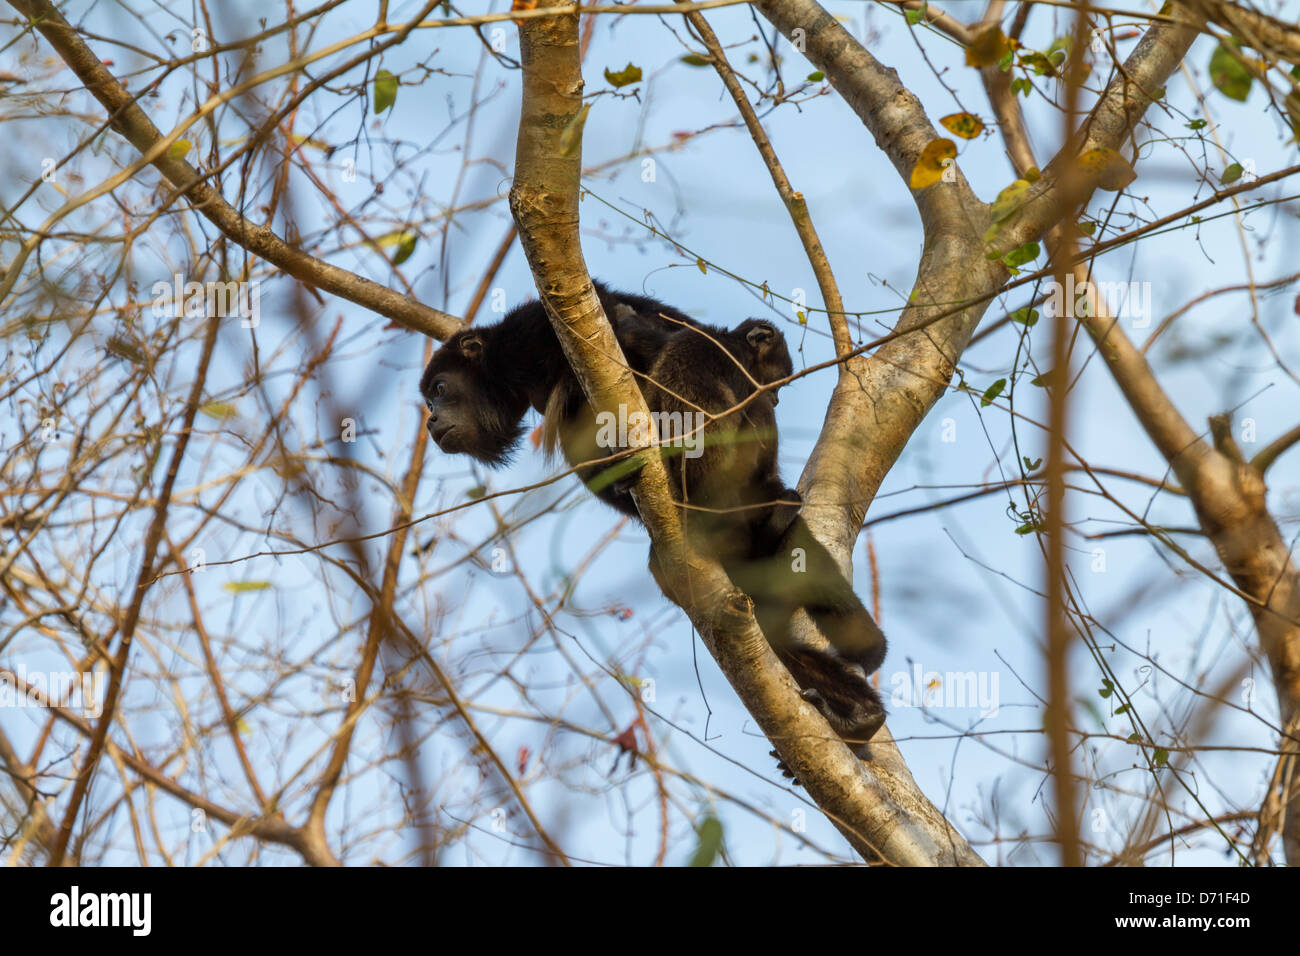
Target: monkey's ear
(471,346)
(763,333)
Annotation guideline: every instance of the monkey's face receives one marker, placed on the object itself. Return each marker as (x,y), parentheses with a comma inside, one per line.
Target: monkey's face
(468,414)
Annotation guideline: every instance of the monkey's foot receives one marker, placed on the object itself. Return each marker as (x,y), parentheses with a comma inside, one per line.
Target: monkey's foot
(840,691)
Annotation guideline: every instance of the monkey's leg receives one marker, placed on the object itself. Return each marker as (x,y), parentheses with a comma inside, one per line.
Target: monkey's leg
(817,585)
(781,510)
(802,573)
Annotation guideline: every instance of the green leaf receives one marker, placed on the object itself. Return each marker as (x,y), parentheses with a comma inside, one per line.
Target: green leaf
(1061,44)
(1107,688)
(405,248)
(1135,738)
(385,90)
(694,59)
(405,243)
(1161,756)
(1231,174)
(1229,75)
(992,392)
(1196,124)
(914,16)
(710,835)
(1087,227)
(1018,257)
(1121,709)
(816,76)
(1040,64)
(571,135)
(477,492)
(1042,381)
(1031,465)
(625,77)
(1026,317)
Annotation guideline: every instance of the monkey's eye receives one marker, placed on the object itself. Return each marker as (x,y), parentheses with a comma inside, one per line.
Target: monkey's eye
(440,389)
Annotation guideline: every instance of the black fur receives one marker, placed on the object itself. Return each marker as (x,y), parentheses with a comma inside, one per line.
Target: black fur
(737,509)
(735,506)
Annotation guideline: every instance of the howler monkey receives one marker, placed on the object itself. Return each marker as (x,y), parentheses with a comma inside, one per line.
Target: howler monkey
(711,395)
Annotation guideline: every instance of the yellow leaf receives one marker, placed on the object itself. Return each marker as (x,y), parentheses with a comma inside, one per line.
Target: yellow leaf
(1009,200)
(965,125)
(934,159)
(1112,170)
(988,47)
(178,149)
(218,410)
(239,587)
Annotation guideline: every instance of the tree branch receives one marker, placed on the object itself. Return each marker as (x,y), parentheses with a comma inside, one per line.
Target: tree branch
(544,200)
(133,123)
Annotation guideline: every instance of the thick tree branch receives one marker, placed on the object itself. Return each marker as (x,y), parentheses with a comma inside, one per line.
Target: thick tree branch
(880,401)
(1065,184)
(1229,497)
(544,200)
(1262,32)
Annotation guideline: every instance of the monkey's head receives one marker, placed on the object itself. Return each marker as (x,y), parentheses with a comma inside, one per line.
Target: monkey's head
(469,411)
(762,350)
